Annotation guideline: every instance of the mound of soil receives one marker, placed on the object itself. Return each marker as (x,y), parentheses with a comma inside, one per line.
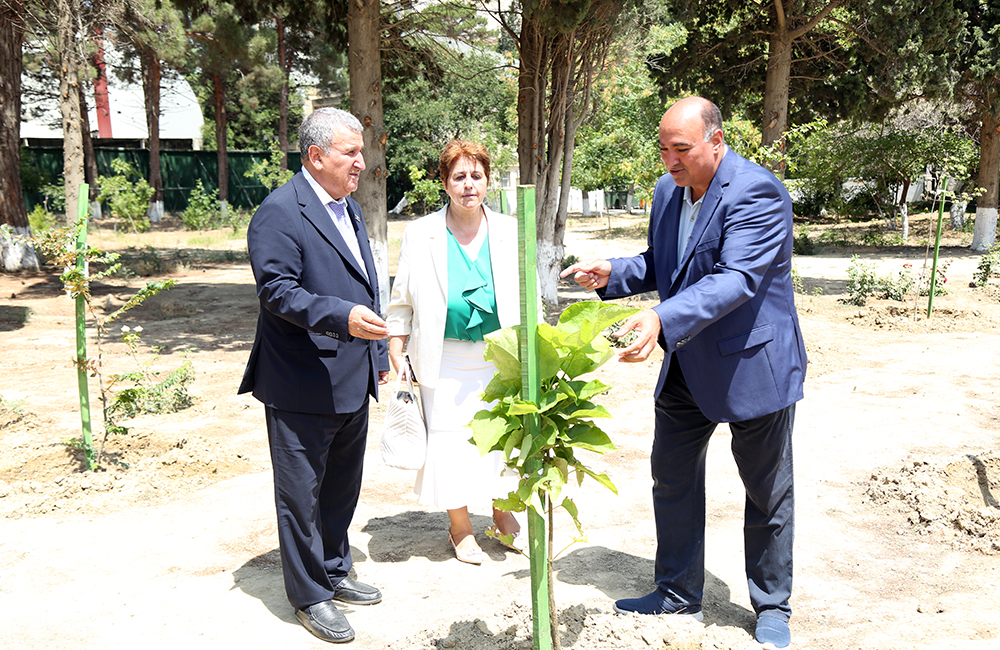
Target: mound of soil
(954,500)
(593,628)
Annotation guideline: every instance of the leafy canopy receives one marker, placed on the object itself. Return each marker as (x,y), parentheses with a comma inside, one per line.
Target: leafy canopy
(540,439)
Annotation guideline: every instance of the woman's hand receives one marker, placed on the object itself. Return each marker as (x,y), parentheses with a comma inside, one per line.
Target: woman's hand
(396,356)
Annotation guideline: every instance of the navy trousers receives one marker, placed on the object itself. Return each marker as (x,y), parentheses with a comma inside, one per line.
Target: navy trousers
(762,448)
(317,461)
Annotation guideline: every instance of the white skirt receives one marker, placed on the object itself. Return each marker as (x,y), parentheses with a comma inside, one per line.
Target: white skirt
(454,475)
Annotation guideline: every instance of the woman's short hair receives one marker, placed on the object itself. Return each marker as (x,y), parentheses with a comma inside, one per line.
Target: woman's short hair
(457,149)
(320,125)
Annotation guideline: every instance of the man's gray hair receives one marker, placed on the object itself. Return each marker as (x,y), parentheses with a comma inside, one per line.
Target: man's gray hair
(318,128)
(711,116)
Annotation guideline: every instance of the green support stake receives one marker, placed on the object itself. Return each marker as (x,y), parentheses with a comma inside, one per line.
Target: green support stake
(531,390)
(937,246)
(81,328)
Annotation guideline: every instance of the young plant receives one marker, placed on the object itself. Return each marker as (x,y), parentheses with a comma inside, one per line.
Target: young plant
(269,171)
(147,393)
(988,266)
(59,246)
(203,211)
(128,198)
(540,439)
(426,193)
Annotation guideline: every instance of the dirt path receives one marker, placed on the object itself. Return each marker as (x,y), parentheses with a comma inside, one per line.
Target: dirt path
(896,543)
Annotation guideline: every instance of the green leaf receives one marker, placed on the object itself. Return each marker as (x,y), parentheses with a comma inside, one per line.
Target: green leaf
(602,479)
(586,410)
(549,360)
(592,388)
(551,398)
(503,349)
(588,319)
(588,436)
(571,508)
(513,503)
(587,358)
(487,429)
(521,407)
(499,388)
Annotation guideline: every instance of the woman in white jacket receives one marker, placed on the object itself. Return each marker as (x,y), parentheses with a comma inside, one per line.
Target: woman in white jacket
(457,280)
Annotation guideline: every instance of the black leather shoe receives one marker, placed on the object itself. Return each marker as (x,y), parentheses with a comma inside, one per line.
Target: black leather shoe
(353,592)
(325,621)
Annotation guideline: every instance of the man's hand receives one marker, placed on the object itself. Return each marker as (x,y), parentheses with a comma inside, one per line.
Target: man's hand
(363,323)
(591,274)
(646,324)
(383,377)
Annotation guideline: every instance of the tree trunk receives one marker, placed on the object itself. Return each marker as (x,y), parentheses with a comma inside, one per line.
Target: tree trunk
(531,85)
(957,214)
(284,61)
(15,255)
(90,173)
(219,93)
(775,118)
(585,200)
(985,233)
(151,74)
(69,102)
(365,70)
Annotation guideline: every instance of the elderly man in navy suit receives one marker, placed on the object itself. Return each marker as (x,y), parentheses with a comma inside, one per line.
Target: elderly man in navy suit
(318,356)
(719,256)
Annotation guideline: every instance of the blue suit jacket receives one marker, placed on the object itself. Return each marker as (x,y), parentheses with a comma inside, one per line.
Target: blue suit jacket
(727,309)
(303,357)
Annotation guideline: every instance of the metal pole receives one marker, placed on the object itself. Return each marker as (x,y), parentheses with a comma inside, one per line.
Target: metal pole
(531,390)
(81,328)
(937,246)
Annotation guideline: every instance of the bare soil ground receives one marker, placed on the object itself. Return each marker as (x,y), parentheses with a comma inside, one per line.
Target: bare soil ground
(173,543)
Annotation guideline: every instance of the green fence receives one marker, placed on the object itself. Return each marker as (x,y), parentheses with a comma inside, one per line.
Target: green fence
(180,171)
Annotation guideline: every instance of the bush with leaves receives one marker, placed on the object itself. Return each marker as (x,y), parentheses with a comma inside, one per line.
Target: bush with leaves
(989,265)
(203,211)
(862,282)
(59,246)
(127,194)
(425,196)
(41,219)
(148,394)
(269,171)
(539,440)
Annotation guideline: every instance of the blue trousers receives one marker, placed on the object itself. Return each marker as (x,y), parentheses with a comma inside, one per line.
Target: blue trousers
(762,448)
(317,462)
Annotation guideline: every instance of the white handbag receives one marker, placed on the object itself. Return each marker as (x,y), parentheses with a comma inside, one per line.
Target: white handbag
(404,434)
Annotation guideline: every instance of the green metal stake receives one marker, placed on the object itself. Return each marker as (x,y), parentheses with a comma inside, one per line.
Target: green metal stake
(937,246)
(81,328)
(531,390)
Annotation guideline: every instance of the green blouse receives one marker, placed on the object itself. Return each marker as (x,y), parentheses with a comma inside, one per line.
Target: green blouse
(472,301)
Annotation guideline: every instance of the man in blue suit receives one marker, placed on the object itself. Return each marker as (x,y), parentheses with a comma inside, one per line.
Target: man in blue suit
(719,256)
(318,356)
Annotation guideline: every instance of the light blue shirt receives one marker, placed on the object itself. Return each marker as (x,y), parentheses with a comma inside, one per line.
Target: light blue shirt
(689,213)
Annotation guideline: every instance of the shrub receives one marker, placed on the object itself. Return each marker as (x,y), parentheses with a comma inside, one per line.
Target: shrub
(41,219)
(802,244)
(426,194)
(203,211)
(269,171)
(989,264)
(862,282)
(127,194)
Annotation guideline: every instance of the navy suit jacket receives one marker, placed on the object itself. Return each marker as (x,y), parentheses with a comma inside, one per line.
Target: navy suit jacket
(727,311)
(308,280)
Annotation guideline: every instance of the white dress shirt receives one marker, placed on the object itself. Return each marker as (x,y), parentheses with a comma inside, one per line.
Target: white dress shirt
(337,208)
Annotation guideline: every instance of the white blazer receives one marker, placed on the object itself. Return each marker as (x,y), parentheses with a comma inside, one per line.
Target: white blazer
(418,304)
